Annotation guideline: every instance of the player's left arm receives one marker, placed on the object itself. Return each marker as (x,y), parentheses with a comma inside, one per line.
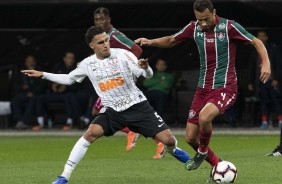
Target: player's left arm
(239,33)
(138,67)
(265,63)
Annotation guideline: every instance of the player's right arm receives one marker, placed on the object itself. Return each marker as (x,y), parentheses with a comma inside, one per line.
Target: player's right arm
(57,78)
(164,42)
(77,75)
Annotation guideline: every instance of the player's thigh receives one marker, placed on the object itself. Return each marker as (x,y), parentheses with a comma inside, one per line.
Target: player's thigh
(143,119)
(93,132)
(107,124)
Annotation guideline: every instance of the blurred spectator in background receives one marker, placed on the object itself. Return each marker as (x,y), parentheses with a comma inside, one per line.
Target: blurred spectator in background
(267,92)
(58,93)
(158,87)
(82,102)
(27,89)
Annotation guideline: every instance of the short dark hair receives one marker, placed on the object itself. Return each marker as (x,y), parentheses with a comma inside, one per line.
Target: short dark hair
(91,32)
(102,10)
(201,5)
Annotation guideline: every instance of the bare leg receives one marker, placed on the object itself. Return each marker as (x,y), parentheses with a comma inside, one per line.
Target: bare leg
(93,133)
(192,139)
(170,142)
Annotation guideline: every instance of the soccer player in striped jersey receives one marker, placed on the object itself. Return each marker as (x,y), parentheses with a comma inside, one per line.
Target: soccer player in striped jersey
(119,40)
(216,38)
(111,72)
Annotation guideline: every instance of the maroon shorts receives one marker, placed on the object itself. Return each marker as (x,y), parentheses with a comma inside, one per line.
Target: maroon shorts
(222,98)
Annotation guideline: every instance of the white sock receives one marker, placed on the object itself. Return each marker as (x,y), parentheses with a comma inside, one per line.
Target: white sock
(76,155)
(170,149)
(202,153)
(40,120)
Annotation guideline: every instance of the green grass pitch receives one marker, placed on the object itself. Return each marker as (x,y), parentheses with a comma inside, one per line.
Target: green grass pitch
(39,160)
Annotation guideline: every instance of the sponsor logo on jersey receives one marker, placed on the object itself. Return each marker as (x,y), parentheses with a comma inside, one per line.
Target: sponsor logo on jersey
(122,102)
(200,34)
(111,84)
(209,40)
(220,36)
(102,77)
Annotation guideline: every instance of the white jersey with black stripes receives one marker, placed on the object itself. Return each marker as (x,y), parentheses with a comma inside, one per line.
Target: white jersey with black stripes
(112,78)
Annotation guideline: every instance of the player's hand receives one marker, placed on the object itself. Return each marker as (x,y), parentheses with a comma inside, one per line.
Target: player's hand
(32,73)
(143,41)
(143,63)
(265,72)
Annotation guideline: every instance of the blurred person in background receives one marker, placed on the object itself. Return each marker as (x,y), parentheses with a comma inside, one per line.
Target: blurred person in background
(27,91)
(268,92)
(158,88)
(58,93)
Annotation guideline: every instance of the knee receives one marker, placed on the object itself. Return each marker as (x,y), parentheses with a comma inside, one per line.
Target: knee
(204,118)
(93,133)
(170,141)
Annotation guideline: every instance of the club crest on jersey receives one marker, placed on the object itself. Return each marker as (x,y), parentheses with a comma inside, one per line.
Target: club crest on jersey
(113,64)
(220,36)
(222,26)
(191,114)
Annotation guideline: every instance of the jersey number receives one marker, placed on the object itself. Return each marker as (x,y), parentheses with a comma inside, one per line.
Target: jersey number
(158,117)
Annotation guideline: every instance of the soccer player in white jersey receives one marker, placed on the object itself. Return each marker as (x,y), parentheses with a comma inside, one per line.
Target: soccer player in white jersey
(110,71)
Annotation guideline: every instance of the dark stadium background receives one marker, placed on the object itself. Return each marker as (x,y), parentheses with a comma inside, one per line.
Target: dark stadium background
(48,28)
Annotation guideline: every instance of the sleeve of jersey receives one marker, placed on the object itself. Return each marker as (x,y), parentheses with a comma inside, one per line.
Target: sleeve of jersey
(238,32)
(58,78)
(121,41)
(132,63)
(185,33)
(79,73)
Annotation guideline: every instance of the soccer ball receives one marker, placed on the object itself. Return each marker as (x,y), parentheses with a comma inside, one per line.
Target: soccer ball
(224,172)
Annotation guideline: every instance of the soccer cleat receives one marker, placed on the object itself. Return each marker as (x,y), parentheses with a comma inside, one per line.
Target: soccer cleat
(276,152)
(60,180)
(131,140)
(180,155)
(195,162)
(160,151)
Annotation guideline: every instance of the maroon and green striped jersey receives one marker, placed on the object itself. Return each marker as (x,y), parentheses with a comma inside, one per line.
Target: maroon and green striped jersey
(217,50)
(119,40)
